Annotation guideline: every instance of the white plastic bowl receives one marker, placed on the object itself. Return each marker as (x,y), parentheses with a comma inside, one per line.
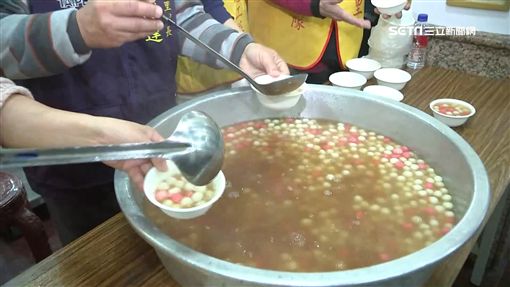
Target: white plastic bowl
(348,80)
(392,77)
(385,92)
(363,66)
(389,7)
(154,177)
(281,102)
(452,121)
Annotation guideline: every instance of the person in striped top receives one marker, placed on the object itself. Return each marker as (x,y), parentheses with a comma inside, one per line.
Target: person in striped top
(108,58)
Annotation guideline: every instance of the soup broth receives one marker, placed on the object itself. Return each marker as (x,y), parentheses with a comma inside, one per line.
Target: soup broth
(309,195)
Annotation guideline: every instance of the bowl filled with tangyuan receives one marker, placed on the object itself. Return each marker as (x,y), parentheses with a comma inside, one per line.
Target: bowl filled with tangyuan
(452,112)
(341,190)
(177,197)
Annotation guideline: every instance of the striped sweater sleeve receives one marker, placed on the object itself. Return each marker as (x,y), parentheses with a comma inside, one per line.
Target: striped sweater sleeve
(230,43)
(8,88)
(39,45)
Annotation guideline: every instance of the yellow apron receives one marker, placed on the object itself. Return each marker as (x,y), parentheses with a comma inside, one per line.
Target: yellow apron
(302,40)
(193,77)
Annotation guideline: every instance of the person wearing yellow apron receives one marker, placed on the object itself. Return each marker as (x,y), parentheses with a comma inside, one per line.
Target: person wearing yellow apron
(194,78)
(313,36)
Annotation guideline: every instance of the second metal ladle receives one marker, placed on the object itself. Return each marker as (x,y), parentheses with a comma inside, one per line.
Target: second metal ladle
(276,88)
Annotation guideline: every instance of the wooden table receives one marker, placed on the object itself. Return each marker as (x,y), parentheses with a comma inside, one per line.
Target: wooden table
(113,254)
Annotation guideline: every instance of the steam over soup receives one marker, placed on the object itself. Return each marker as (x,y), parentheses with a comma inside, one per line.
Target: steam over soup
(314,195)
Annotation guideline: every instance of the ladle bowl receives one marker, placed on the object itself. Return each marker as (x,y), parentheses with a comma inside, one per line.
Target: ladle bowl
(195,146)
(203,160)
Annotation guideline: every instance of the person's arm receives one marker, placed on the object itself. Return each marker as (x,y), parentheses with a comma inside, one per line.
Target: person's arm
(239,48)
(26,123)
(322,9)
(46,44)
(230,43)
(38,45)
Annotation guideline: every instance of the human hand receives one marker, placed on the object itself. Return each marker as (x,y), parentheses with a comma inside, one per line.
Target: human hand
(115,131)
(260,60)
(112,23)
(330,9)
(398,15)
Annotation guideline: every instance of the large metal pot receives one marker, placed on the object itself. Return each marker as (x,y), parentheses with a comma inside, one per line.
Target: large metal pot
(444,149)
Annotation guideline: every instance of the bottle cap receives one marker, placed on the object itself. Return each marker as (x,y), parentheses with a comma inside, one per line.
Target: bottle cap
(423,17)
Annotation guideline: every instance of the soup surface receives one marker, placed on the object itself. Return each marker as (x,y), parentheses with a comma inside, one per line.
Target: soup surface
(310,195)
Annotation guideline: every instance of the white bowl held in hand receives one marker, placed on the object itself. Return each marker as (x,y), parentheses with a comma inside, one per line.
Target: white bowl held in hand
(392,77)
(153,178)
(385,92)
(363,66)
(280,102)
(349,80)
(389,7)
(449,119)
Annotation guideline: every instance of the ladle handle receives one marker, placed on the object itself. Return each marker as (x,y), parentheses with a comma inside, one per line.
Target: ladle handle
(10,158)
(218,55)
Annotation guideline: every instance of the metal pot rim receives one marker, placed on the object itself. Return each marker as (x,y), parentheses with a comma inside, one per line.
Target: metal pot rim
(429,255)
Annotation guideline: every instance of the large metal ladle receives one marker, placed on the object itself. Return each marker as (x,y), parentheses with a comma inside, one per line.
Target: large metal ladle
(276,88)
(195,146)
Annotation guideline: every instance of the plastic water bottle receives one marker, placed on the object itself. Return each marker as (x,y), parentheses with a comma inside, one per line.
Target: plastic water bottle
(418,54)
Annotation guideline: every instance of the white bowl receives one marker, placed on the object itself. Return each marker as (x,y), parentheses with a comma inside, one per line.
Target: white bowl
(392,77)
(154,177)
(280,102)
(452,121)
(385,92)
(349,80)
(363,66)
(389,7)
